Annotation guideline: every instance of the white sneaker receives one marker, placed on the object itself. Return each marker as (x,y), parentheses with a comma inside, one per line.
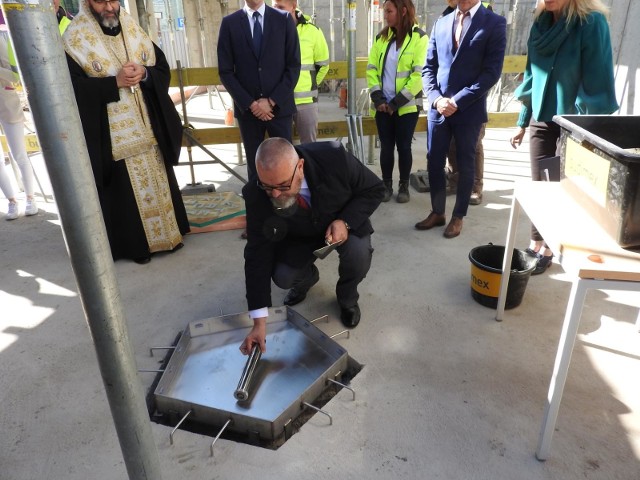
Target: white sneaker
(12,214)
(32,207)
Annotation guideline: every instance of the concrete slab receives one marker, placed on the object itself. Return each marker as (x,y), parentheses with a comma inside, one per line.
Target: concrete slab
(446,392)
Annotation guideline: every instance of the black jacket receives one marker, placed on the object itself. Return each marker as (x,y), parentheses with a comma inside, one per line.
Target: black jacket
(341,188)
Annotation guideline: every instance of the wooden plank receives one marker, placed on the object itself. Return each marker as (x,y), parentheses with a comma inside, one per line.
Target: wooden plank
(331,129)
(328,129)
(514,64)
(502,119)
(337,71)
(334,129)
(214,136)
(196,77)
(30,141)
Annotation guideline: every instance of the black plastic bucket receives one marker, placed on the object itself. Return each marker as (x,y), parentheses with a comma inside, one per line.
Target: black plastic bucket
(486,274)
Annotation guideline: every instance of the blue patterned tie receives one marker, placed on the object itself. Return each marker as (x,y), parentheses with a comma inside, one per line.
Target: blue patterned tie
(257,33)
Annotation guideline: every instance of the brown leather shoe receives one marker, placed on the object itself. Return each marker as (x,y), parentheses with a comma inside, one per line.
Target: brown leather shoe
(433,220)
(454,228)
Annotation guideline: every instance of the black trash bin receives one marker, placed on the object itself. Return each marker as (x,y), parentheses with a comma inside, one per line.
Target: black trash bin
(486,274)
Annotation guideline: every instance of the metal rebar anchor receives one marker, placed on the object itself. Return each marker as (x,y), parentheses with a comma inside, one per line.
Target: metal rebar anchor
(242,392)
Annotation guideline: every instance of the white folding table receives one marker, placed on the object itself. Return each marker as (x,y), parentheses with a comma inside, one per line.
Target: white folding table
(586,252)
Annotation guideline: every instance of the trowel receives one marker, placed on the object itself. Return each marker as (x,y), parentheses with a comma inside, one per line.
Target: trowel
(326,250)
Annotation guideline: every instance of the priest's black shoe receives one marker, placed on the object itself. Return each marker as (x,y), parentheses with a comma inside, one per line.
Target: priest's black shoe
(142,260)
(176,248)
(350,316)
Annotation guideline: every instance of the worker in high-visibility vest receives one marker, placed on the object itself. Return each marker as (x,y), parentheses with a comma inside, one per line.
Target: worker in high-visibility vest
(394,78)
(314,64)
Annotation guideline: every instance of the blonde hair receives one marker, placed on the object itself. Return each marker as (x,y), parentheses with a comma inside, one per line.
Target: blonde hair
(577,8)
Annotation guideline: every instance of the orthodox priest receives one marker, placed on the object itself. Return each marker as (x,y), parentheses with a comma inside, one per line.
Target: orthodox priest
(133,132)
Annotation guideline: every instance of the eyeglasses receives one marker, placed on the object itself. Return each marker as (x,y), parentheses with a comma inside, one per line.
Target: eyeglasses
(280,188)
(104,2)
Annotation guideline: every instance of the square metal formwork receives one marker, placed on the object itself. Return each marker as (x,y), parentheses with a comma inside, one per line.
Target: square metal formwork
(204,369)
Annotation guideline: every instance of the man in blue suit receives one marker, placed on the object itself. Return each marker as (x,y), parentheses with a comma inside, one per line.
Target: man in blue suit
(259,65)
(464,60)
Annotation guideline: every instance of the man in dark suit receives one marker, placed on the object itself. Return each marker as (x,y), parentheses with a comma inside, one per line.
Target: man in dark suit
(259,65)
(464,60)
(306,197)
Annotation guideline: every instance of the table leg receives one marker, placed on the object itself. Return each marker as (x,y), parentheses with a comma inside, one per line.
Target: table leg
(561,365)
(508,254)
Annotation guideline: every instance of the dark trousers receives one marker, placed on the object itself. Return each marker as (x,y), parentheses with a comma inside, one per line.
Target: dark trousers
(253,133)
(478,183)
(355,261)
(396,131)
(544,142)
(438,142)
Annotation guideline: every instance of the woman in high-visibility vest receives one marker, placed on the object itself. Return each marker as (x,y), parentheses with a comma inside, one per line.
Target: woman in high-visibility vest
(394,78)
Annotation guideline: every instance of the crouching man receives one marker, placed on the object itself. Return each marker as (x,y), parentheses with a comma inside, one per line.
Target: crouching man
(306,197)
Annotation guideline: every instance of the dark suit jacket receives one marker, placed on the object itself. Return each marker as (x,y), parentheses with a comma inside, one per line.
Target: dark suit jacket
(341,187)
(272,75)
(466,75)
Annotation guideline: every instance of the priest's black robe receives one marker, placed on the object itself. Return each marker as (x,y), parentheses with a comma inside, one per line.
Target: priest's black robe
(121,217)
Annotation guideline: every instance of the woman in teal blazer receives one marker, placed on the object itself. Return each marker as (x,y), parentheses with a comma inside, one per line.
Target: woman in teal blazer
(569,71)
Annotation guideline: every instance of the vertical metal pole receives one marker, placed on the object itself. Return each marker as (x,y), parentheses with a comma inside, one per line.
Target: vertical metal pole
(38,47)
(143,16)
(351,57)
(332,31)
(343,35)
(426,16)
(203,37)
(185,119)
(513,12)
(172,28)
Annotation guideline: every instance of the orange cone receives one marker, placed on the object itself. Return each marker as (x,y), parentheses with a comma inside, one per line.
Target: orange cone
(228,117)
(343,97)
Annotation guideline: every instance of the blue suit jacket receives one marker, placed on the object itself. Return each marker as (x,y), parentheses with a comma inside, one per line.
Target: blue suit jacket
(273,74)
(465,75)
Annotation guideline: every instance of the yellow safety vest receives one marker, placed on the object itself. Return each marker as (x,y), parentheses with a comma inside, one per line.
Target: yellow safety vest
(314,60)
(411,59)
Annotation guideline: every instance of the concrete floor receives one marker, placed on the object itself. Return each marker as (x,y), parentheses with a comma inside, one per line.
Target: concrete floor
(446,391)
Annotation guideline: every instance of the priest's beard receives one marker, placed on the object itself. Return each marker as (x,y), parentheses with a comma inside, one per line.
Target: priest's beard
(107,19)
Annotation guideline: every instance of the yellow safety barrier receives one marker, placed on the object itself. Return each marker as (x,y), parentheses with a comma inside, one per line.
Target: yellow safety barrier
(30,141)
(330,129)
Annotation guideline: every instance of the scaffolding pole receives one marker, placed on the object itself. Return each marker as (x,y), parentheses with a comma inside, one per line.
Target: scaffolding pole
(41,59)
